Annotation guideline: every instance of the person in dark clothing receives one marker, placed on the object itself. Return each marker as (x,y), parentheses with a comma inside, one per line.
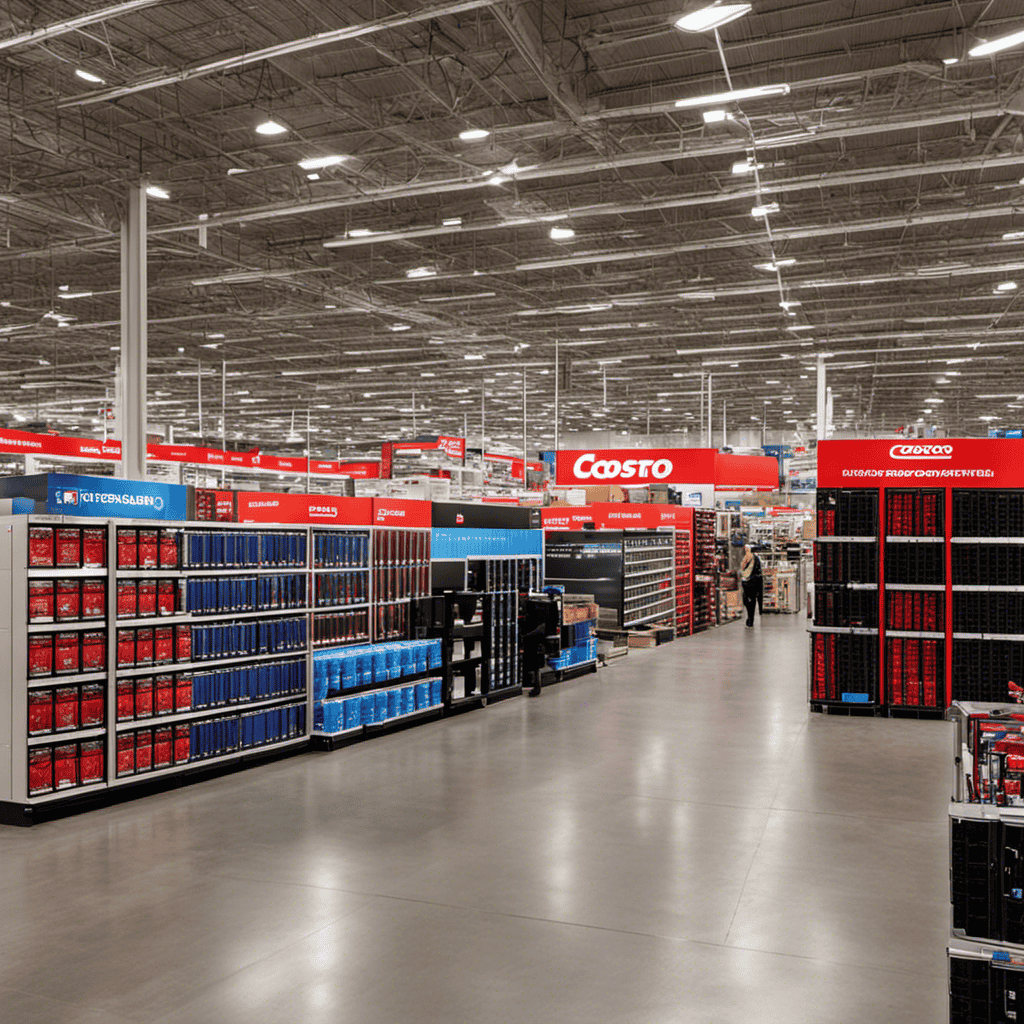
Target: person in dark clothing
(534,651)
(752,583)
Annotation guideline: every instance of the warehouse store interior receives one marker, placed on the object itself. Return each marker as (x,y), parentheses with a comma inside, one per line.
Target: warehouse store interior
(512,511)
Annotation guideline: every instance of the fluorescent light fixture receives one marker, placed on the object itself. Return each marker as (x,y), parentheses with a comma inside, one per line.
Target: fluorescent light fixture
(313,177)
(458,298)
(746,167)
(451,222)
(560,234)
(697,295)
(318,163)
(474,134)
(1013,236)
(330,305)
(988,419)
(88,76)
(236,170)
(427,374)
(157,192)
(950,60)
(74,295)
(771,382)
(215,335)
(705,17)
(788,304)
(497,179)
(733,96)
(763,211)
(400,327)
(421,272)
(1003,43)
(800,327)
(270,128)
(359,233)
(1006,286)
(717,116)
(211,345)
(470,355)
(771,267)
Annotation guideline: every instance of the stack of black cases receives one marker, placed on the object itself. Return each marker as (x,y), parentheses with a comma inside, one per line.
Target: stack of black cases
(986,864)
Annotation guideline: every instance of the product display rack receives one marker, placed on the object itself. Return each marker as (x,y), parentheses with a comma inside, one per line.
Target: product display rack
(684,582)
(705,570)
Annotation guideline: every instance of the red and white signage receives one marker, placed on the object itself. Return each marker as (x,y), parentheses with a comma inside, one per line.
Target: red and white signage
(62,447)
(257,507)
(634,467)
(616,516)
(454,447)
(401,513)
(944,462)
(746,472)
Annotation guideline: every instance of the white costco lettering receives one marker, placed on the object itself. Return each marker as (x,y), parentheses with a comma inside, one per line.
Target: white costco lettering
(589,466)
(400,512)
(324,511)
(921,451)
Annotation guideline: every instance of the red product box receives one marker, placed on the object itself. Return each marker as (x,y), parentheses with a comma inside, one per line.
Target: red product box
(163,645)
(149,549)
(90,762)
(65,766)
(40,601)
(144,697)
(66,654)
(163,746)
(94,599)
(143,750)
(125,754)
(94,651)
(144,646)
(127,599)
(182,743)
(67,600)
(40,546)
(163,695)
(1015,762)
(182,643)
(125,647)
(92,706)
(40,656)
(40,771)
(94,547)
(125,700)
(1011,787)
(69,547)
(165,597)
(146,598)
(65,709)
(169,557)
(40,712)
(183,693)
(127,548)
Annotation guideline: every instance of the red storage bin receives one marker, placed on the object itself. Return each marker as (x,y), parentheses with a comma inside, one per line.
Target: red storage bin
(40,547)
(94,651)
(144,697)
(125,700)
(40,656)
(40,712)
(92,714)
(166,597)
(125,754)
(163,695)
(127,599)
(66,654)
(163,747)
(65,766)
(163,645)
(169,557)
(90,762)
(144,646)
(69,547)
(40,601)
(65,709)
(94,599)
(144,750)
(182,743)
(67,600)
(125,648)
(183,693)
(40,771)
(149,549)
(127,548)
(94,547)
(146,598)
(182,643)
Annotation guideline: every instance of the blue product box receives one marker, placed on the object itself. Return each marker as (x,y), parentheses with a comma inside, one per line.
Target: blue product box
(394,703)
(408,700)
(381,708)
(333,716)
(408,660)
(434,654)
(333,668)
(318,715)
(365,666)
(319,680)
(349,671)
(420,650)
(435,691)
(395,667)
(353,712)
(380,663)
(422,697)
(368,708)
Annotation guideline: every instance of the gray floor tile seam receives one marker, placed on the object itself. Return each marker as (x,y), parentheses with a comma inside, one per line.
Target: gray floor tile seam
(884,819)
(77,1008)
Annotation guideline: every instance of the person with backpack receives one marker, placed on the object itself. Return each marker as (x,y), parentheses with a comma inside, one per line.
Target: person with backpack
(752,583)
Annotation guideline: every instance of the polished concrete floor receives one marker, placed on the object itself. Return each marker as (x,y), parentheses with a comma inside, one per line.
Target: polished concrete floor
(673,840)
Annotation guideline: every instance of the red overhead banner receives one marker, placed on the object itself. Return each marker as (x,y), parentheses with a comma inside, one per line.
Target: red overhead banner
(257,507)
(402,513)
(356,470)
(455,447)
(942,462)
(616,516)
(634,467)
(22,442)
(746,472)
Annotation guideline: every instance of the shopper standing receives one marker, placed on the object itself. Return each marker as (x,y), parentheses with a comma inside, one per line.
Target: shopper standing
(752,583)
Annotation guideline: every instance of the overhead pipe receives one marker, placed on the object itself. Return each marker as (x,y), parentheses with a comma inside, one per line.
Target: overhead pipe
(61,28)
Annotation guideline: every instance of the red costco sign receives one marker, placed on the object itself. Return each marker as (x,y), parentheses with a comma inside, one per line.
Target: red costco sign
(633,467)
(62,447)
(616,516)
(256,507)
(402,513)
(946,462)
(451,446)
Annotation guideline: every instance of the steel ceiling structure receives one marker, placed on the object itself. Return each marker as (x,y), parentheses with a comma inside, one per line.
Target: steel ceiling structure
(416,262)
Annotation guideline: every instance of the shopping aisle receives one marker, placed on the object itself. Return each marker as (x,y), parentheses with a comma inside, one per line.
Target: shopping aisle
(674,840)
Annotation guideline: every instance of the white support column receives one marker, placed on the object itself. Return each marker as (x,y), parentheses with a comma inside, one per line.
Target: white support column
(711,442)
(134,351)
(556,393)
(821,426)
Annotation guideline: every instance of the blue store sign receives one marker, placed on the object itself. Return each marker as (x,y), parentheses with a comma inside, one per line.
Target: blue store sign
(69,495)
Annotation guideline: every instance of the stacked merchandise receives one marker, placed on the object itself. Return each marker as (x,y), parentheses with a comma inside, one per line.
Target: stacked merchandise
(341,585)
(986,947)
(579,642)
(705,570)
(368,670)
(844,642)
(501,582)
(401,572)
(684,583)
(987,560)
(647,580)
